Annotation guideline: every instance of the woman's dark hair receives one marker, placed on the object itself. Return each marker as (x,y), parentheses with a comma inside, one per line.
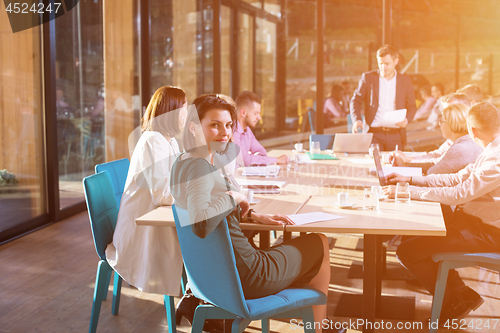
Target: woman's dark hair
(167,99)
(337,92)
(203,104)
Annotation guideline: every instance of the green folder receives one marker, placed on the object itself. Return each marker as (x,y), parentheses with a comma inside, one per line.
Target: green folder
(321,157)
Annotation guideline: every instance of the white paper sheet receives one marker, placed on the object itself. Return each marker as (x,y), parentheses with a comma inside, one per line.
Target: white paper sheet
(246,182)
(361,160)
(403,171)
(304,218)
(255,171)
(392,117)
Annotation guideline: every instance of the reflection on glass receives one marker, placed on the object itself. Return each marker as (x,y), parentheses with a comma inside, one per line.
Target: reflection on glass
(79,97)
(226,31)
(245,54)
(22,186)
(256,3)
(273,7)
(265,40)
(205,29)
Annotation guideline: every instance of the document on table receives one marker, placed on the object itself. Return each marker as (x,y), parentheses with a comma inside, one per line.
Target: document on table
(391,118)
(304,218)
(255,171)
(257,182)
(403,171)
(361,160)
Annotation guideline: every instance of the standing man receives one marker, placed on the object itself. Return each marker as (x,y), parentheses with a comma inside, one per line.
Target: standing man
(248,107)
(382,91)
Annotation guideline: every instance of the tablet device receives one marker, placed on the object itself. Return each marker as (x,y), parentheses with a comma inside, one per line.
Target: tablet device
(378,165)
(354,143)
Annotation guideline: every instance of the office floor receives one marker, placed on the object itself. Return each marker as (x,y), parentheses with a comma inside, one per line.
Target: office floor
(47,280)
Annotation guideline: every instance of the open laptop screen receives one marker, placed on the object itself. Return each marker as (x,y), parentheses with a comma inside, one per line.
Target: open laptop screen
(378,165)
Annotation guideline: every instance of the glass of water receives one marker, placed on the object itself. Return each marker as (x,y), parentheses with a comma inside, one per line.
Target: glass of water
(403,192)
(315,147)
(272,170)
(370,199)
(292,163)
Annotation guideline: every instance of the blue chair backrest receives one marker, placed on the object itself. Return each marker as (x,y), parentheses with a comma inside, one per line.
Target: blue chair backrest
(210,265)
(311,113)
(325,140)
(103,211)
(118,170)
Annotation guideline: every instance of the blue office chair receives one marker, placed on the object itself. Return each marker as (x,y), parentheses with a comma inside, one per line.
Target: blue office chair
(211,268)
(451,260)
(311,114)
(118,171)
(103,214)
(325,140)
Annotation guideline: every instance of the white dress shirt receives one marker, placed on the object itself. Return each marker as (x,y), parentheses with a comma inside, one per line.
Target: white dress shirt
(386,98)
(476,188)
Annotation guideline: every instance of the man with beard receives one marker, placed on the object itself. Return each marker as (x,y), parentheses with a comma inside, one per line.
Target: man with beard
(248,106)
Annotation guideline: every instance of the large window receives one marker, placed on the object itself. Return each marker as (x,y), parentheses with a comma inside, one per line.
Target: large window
(265,62)
(80,97)
(181,45)
(22,173)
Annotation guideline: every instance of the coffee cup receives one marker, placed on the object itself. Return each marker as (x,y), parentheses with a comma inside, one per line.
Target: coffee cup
(299,146)
(343,198)
(249,195)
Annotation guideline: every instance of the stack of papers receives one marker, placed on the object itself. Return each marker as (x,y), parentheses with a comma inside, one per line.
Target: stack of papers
(255,171)
(304,218)
(262,186)
(391,118)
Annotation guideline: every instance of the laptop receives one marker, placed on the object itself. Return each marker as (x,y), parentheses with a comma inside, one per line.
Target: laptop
(378,165)
(354,143)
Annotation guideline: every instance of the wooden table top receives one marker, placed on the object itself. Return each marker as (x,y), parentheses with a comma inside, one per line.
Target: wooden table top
(314,187)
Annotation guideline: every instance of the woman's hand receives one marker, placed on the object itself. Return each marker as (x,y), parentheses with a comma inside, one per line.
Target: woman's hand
(394,178)
(399,159)
(390,191)
(241,200)
(272,219)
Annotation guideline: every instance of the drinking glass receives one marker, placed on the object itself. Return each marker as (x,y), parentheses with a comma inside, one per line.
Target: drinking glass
(377,190)
(315,147)
(370,199)
(292,163)
(272,170)
(403,192)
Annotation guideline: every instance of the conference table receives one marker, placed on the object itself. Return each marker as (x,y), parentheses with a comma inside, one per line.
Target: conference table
(313,187)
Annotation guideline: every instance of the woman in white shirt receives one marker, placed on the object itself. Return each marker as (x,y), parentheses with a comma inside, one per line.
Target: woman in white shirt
(149,257)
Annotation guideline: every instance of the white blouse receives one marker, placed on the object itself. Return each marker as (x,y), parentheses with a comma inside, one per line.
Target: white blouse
(147,257)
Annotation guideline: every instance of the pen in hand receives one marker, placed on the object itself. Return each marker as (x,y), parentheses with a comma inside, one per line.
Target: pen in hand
(394,154)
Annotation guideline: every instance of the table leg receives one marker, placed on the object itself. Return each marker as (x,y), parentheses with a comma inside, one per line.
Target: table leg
(264,239)
(369,282)
(287,235)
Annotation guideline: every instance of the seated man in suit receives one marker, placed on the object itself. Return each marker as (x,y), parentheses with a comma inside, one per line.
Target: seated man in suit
(382,91)
(248,107)
(474,226)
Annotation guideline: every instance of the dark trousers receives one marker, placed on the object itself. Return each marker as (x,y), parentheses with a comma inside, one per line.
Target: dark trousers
(388,140)
(465,233)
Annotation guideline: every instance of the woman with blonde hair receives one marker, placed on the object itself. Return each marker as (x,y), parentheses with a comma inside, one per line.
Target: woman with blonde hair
(463,150)
(149,257)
